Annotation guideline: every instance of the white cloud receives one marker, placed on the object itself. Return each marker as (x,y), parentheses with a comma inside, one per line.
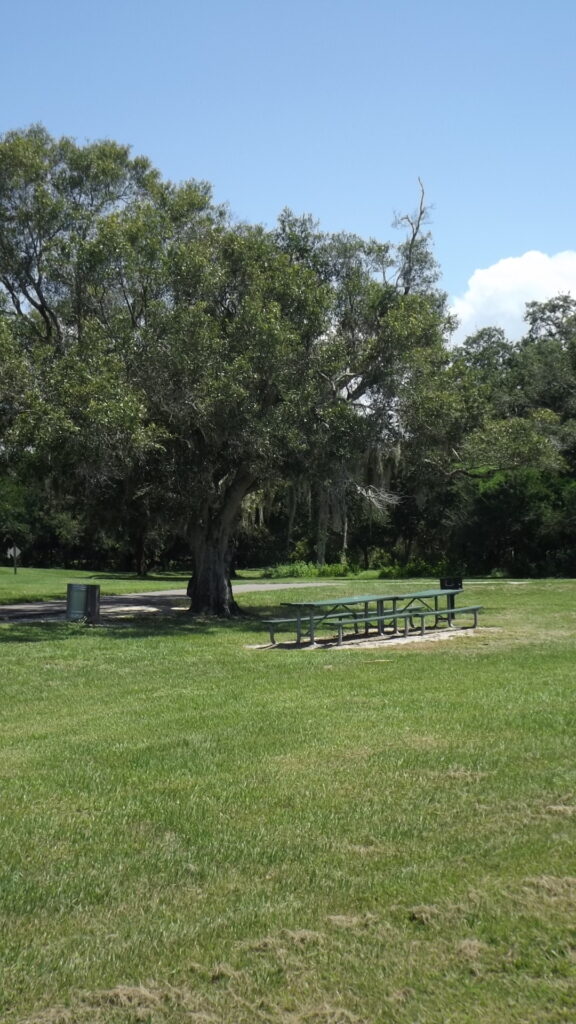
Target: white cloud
(496,296)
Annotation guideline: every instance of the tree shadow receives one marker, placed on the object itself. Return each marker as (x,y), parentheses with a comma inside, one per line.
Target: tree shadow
(160,623)
(152,577)
(175,623)
(30,631)
(167,577)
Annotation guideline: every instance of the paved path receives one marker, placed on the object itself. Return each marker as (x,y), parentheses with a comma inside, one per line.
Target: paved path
(149,598)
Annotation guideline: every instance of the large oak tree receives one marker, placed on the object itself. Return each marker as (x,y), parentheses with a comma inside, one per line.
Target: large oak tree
(179,360)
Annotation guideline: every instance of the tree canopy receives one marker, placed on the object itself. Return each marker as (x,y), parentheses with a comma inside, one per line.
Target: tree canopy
(163,365)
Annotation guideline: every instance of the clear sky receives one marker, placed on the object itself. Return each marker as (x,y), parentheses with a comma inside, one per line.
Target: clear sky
(336,109)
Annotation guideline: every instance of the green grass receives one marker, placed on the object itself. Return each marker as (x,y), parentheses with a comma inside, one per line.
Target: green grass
(46,584)
(50,584)
(194,830)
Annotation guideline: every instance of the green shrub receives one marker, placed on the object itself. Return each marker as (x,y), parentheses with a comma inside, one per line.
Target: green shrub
(335,569)
(298,569)
(308,569)
(389,572)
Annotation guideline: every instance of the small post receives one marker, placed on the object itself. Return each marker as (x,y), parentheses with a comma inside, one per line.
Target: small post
(14,553)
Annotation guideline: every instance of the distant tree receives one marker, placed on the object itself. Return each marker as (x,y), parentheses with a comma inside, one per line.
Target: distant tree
(514,458)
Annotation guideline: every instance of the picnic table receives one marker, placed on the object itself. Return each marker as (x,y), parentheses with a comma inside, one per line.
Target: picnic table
(409,610)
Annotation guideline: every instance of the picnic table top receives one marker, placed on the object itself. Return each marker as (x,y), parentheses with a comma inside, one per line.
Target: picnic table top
(368,598)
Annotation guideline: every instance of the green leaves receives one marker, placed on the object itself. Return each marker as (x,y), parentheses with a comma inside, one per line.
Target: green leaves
(514,442)
(166,361)
(52,196)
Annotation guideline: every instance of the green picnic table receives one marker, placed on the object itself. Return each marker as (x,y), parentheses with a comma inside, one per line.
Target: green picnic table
(382,609)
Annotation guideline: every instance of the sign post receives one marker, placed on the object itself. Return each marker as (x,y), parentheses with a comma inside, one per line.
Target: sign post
(14,553)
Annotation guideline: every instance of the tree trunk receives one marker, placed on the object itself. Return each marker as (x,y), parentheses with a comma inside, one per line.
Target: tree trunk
(140,558)
(292,502)
(344,549)
(209,589)
(322,535)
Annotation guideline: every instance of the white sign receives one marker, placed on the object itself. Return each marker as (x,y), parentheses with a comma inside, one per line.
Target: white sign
(14,552)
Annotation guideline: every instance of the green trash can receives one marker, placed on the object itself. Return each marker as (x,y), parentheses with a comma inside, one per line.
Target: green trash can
(83,602)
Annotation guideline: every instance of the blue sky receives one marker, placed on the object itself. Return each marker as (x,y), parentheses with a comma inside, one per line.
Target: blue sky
(334,108)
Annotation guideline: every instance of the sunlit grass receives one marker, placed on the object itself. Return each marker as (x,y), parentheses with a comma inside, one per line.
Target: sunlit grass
(45,584)
(197,830)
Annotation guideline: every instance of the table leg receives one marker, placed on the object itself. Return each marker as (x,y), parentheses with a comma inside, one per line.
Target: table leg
(395,621)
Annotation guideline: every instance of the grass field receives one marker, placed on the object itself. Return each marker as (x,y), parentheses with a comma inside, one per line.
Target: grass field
(50,584)
(47,584)
(194,830)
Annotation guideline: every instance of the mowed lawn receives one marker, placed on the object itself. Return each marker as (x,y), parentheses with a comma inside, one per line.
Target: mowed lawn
(50,584)
(195,830)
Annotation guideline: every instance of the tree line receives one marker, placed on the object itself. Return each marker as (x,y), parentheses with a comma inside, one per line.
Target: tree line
(178,388)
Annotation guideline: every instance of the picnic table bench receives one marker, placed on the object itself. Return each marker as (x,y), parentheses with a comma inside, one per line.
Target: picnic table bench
(409,611)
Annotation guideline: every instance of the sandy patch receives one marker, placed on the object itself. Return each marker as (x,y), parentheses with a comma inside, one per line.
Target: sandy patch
(129,611)
(370,643)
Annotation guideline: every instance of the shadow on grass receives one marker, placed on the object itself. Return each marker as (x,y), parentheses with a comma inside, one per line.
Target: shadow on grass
(167,577)
(159,623)
(152,577)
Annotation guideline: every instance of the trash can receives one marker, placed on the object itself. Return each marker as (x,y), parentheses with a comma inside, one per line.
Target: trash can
(83,602)
(451,583)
